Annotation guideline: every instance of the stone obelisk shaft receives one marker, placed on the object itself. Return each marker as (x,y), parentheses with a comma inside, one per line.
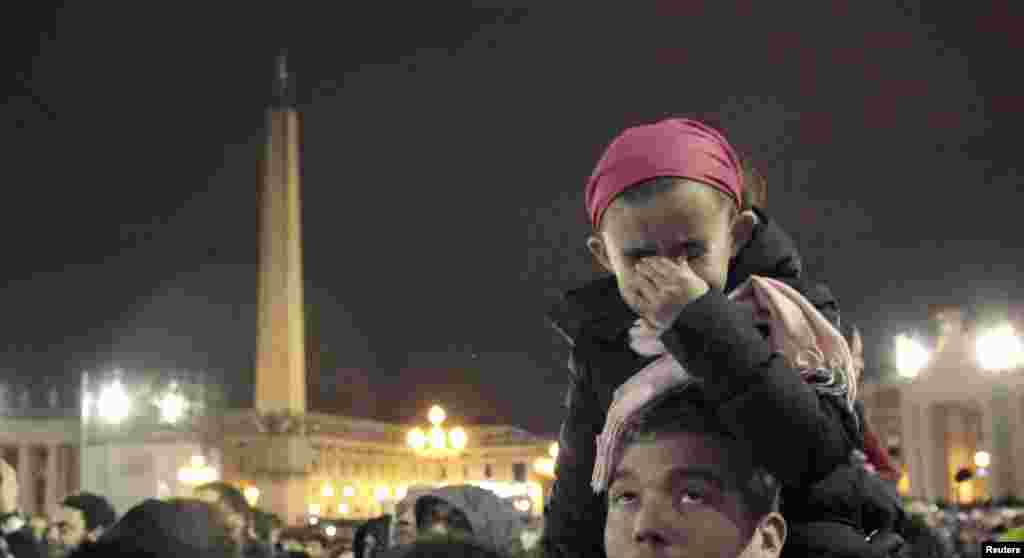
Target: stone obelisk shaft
(280,349)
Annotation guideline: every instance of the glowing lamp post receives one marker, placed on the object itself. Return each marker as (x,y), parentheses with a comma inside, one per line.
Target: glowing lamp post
(911,356)
(437,443)
(1000,349)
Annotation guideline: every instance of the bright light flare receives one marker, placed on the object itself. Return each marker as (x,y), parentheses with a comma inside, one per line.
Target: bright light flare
(343,509)
(330,531)
(553,450)
(1000,349)
(416,439)
(114,404)
(437,438)
(327,490)
(348,492)
(458,438)
(982,459)
(314,510)
(382,493)
(252,495)
(436,415)
(911,356)
(172,406)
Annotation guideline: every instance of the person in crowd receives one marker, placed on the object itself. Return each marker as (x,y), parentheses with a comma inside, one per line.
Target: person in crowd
(167,529)
(681,484)
(372,537)
(232,503)
(16,539)
(81,519)
(39,524)
(316,544)
(445,546)
(465,510)
(674,228)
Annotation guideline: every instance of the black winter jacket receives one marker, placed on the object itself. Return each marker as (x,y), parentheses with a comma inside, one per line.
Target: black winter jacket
(758,395)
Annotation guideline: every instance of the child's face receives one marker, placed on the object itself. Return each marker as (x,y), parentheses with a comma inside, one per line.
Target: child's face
(691,223)
(671,498)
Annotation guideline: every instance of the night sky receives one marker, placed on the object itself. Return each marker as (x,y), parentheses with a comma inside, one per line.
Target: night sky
(444,155)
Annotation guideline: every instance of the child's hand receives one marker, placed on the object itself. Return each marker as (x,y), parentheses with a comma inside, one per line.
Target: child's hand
(659,289)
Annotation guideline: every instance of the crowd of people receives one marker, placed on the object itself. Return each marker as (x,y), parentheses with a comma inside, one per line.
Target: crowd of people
(712,407)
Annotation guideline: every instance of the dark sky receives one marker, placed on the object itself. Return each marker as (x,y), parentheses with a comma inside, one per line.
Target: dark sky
(444,155)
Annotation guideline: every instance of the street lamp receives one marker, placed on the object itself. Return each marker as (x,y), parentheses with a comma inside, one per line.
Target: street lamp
(911,356)
(437,443)
(1000,349)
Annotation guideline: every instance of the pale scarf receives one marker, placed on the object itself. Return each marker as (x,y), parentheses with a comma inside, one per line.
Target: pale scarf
(797,331)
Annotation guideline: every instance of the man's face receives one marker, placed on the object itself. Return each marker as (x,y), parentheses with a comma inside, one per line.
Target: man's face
(672,497)
(690,223)
(69,530)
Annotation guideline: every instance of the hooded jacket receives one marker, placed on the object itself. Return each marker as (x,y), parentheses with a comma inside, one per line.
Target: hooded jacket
(494,521)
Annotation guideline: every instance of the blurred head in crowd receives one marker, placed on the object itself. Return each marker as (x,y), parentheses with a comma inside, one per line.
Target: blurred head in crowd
(39,525)
(444,546)
(79,519)
(230,501)
(684,487)
(8,488)
(316,545)
(166,529)
(434,515)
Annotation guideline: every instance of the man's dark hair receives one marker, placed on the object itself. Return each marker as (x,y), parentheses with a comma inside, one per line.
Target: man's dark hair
(96,509)
(685,410)
(229,495)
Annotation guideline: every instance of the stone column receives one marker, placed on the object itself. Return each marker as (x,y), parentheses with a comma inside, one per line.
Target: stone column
(26,480)
(53,478)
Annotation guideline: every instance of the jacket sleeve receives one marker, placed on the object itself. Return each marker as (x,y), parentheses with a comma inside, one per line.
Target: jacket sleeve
(574,515)
(799,433)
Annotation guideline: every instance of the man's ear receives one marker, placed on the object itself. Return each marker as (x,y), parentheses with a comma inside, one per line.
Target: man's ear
(743,230)
(599,250)
(95,534)
(769,536)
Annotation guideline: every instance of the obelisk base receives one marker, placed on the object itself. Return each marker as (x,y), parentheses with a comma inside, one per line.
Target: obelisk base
(286,497)
(280,465)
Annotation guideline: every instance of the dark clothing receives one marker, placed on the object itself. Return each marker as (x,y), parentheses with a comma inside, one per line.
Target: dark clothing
(758,395)
(22,544)
(16,538)
(379,529)
(828,521)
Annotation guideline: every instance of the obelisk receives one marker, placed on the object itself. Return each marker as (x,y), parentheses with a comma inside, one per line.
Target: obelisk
(283,454)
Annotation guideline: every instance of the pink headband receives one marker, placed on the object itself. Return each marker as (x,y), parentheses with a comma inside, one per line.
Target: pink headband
(676,147)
